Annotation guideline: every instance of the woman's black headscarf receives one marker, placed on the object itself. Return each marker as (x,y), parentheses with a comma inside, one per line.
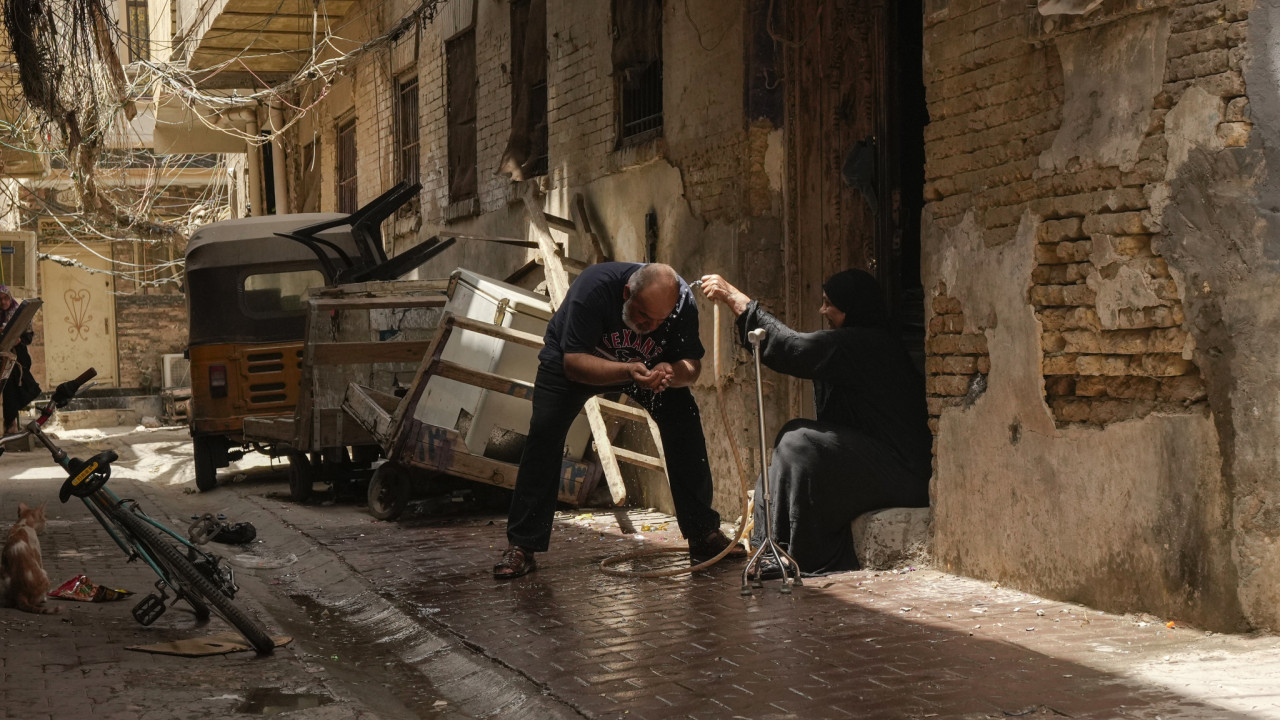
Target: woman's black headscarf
(857,294)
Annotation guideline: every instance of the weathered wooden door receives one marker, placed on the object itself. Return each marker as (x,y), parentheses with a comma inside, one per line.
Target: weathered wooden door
(854,122)
(79,315)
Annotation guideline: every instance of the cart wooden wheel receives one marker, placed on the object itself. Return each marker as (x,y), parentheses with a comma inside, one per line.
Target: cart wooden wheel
(388,491)
(302,475)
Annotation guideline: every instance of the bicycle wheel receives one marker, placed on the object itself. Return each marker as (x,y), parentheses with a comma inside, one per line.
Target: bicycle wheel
(195,583)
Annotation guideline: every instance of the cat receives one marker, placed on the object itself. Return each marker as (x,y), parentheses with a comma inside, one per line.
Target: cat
(23,581)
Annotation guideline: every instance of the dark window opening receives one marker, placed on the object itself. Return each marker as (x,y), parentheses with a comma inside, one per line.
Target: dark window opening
(138,27)
(637,69)
(526,153)
(460,61)
(269,198)
(407,136)
(348,199)
(309,193)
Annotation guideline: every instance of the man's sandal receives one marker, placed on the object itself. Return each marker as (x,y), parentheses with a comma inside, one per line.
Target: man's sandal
(516,562)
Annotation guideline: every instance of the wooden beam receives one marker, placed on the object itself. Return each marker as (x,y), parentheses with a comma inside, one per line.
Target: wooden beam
(482,379)
(497,331)
(363,353)
(635,458)
(398,435)
(360,403)
(561,224)
(627,412)
(378,303)
(557,280)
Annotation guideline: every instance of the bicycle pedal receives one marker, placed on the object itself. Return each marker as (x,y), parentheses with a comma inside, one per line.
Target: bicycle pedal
(148,609)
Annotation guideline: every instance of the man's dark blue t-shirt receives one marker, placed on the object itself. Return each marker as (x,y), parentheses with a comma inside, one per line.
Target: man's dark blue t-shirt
(590,321)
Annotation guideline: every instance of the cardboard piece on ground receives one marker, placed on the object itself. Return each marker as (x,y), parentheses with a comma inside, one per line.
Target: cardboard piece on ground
(218,644)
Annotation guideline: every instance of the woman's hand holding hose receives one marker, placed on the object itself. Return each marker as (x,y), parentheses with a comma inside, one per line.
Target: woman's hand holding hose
(717,289)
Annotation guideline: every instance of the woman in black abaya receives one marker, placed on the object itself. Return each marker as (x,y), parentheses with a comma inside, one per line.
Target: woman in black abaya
(870,447)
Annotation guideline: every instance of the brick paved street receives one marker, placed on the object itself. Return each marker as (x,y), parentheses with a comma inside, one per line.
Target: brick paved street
(875,645)
(402,620)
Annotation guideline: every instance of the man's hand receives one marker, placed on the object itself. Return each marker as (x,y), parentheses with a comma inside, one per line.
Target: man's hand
(657,379)
(718,289)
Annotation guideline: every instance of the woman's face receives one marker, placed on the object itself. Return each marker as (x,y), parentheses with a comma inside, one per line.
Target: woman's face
(832,314)
(6,301)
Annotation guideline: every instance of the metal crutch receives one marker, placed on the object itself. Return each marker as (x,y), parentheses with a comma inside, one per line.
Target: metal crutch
(790,569)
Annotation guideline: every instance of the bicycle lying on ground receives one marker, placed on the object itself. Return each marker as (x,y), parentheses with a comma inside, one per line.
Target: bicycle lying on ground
(186,572)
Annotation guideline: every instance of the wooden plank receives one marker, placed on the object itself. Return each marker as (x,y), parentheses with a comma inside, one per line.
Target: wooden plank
(627,412)
(605,449)
(369,411)
(561,224)
(635,458)
(557,280)
(569,264)
(442,450)
(364,353)
(409,403)
(497,331)
(378,303)
(334,428)
(384,287)
(270,429)
(486,380)
(583,222)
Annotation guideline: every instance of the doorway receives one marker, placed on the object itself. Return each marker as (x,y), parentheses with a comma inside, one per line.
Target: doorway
(855,116)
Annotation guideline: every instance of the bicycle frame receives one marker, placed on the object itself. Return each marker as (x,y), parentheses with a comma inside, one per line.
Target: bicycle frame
(99,503)
(189,573)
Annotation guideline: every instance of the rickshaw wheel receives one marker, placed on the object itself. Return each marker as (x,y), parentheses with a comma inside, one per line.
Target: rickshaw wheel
(302,475)
(388,491)
(206,468)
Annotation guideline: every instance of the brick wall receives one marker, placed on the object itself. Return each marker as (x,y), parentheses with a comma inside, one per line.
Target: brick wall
(148,326)
(995,96)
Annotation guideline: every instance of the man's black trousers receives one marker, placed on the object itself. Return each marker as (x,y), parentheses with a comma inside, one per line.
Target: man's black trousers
(556,402)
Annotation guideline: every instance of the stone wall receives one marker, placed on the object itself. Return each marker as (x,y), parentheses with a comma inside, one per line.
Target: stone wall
(1055,149)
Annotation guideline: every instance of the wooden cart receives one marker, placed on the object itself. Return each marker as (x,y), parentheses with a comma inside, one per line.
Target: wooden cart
(372,333)
(409,443)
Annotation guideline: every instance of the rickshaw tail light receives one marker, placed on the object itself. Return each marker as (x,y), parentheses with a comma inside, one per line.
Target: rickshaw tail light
(218,381)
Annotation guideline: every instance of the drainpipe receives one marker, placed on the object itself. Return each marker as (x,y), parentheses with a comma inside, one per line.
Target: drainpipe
(253,160)
(277,158)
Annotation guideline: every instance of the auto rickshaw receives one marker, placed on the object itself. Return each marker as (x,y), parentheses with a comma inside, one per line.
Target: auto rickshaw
(247,281)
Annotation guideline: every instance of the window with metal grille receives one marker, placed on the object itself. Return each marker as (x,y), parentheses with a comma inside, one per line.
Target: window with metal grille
(460,61)
(138,27)
(348,199)
(526,153)
(407,138)
(637,69)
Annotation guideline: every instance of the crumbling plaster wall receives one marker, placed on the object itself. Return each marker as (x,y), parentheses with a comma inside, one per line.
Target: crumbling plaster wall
(1102,303)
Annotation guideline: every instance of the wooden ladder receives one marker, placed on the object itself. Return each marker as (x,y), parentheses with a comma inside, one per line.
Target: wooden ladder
(557,266)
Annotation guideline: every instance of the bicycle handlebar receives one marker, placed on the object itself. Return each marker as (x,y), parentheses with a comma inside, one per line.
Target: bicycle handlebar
(67,390)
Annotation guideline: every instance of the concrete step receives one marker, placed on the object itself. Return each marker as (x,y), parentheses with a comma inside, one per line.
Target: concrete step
(886,539)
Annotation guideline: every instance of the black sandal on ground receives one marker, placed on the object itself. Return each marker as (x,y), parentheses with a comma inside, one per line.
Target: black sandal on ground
(516,562)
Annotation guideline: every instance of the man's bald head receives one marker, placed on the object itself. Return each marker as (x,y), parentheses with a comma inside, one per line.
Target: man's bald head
(650,296)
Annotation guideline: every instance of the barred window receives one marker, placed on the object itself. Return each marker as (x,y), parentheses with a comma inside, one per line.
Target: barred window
(407,137)
(637,69)
(348,198)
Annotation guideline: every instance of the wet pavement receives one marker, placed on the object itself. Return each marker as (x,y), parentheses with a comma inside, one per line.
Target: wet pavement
(403,620)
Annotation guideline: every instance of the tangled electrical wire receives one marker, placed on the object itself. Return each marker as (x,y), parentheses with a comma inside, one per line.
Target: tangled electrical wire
(76,98)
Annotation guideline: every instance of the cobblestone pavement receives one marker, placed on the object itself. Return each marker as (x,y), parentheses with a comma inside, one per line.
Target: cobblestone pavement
(402,620)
